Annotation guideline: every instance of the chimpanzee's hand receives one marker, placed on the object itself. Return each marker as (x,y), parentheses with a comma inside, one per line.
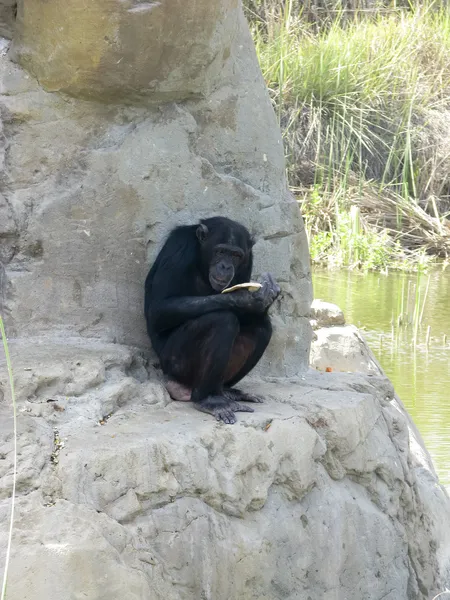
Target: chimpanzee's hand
(259,301)
(268,292)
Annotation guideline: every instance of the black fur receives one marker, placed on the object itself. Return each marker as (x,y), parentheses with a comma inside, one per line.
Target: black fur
(205,340)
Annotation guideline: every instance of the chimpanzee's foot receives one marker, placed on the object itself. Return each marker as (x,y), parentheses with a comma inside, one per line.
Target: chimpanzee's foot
(237,395)
(178,391)
(222,408)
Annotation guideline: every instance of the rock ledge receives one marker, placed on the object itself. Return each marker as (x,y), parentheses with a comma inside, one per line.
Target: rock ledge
(325,490)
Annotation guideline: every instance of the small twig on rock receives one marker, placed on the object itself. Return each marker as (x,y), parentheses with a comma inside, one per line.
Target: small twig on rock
(446,591)
(13,496)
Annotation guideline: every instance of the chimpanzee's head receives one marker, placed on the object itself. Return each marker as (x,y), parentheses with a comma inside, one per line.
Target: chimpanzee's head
(225,252)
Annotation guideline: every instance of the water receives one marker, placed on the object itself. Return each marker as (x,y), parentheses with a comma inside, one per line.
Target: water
(419,372)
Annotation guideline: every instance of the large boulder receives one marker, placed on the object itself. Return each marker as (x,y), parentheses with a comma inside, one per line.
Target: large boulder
(325,314)
(336,346)
(324,491)
(90,189)
(342,349)
(124,49)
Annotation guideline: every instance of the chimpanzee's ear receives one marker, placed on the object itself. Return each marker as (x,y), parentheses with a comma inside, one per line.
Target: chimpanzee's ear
(252,242)
(202,233)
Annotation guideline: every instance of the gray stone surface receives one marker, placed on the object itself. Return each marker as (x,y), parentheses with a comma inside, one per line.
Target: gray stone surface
(325,491)
(342,349)
(126,49)
(326,314)
(7,17)
(90,189)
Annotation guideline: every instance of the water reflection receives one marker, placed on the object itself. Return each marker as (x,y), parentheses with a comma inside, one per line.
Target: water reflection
(420,371)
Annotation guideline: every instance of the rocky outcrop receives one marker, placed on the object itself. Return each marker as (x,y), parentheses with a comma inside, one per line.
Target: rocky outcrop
(90,189)
(133,117)
(325,491)
(325,314)
(342,349)
(336,347)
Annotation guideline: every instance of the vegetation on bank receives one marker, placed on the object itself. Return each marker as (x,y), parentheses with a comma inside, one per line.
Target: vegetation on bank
(362,97)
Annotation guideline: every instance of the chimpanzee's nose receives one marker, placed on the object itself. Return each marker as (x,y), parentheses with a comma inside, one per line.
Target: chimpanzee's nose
(224,271)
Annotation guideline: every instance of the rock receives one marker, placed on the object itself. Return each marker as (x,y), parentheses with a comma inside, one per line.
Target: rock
(8,231)
(326,486)
(53,540)
(342,349)
(92,188)
(325,314)
(335,347)
(129,48)
(8,10)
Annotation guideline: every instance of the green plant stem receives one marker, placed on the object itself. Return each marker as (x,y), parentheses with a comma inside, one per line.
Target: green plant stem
(13,497)
(424,299)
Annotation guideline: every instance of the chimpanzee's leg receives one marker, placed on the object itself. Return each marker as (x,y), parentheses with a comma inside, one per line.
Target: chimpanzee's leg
(249,346)
(197,355)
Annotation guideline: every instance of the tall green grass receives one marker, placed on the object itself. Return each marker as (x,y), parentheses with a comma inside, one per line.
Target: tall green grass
(354,99)
(358,91)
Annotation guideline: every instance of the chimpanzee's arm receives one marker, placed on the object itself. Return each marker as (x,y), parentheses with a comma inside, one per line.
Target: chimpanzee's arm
(172,312)
(172,285)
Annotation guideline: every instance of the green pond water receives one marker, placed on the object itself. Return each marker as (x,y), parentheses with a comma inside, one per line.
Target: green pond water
(420,371)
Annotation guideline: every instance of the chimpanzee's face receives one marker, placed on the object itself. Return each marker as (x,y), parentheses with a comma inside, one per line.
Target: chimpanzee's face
(224,252)
(225,261)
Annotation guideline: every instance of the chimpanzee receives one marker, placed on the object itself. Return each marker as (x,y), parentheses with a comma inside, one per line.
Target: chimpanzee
(207,341)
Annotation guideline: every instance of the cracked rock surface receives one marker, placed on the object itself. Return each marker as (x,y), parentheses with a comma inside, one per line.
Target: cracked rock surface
(324,491)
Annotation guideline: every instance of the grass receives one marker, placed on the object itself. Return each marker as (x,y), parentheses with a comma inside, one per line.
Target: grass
(346,229)
(13,493)
(411,307)
(360,101)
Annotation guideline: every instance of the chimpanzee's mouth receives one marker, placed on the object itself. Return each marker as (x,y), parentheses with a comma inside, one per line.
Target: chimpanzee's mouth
(219,284)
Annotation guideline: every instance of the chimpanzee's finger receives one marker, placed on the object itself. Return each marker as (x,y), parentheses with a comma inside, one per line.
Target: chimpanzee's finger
(274,285)
(273,282)
(226,415)
(239,407)
(264,288)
